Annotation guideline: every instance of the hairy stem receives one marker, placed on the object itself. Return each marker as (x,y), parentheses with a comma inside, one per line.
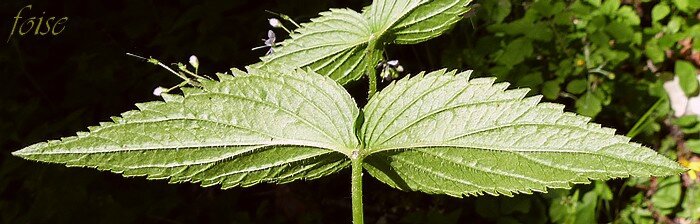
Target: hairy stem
(356,191)
(374,54)
(372,73)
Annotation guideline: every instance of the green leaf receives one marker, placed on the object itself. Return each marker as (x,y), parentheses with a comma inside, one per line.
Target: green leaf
(437,133)
(654,51)
(444,133)
(603,191)
(547,8)
(238,132)
(550,90)
(610,6)
(675,24)
(516,51)
(577,86)
(531,80)
(586,209)
(344,44)
(681,4)
(686,121)
(414,21)
(497,10)
(628,16)
(691,203)
(621,32)
(589,105)
(600,38)
(668,194)
(594,2)
(563,208)
(693,145)
(333,44)
(540,31)
(659,12)
(687,75)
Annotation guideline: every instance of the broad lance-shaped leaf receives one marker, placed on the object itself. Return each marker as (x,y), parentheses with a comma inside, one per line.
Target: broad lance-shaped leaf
(337,43)
(333,44)
(443,133)
(238,132)
(414,21)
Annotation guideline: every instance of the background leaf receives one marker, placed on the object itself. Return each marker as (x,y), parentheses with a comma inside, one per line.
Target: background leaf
(550,90)
(515,52)
(577,86)
(668,194)
(688,77)
(659,11)
(588,105)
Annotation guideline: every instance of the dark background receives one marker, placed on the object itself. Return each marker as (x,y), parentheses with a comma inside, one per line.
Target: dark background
(54,86)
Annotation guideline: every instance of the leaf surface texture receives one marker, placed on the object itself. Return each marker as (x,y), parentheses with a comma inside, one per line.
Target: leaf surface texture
(333,44)
(448,134)
(415,21)
(238,132)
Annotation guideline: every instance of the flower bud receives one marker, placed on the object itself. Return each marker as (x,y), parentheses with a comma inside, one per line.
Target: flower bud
(194,61)
(159,91)
(275,22)
(393,63)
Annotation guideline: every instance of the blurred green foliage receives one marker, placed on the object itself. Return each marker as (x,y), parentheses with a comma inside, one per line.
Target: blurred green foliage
(608,60)
(605,59)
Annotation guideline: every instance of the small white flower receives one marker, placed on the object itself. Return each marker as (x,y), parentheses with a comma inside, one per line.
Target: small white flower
(393,63)
(159,91)
(275,22)
(194,61)
(269,42)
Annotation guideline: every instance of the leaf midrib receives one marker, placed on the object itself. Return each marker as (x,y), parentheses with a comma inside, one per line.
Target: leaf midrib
(500,172)
(225,156)
(440,11)
(268,166)
(282,142)
(379,34)
(509,149)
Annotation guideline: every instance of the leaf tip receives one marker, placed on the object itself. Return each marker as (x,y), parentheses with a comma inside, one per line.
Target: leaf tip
(22,153)
(465,74)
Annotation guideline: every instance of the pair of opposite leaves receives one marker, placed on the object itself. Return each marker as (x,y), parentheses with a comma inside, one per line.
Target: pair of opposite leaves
(437,133)
(344,44)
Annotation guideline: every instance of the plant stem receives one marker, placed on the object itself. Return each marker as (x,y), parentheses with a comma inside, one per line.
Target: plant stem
(356,191)
(374,55)
(635,129)
(372,73)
